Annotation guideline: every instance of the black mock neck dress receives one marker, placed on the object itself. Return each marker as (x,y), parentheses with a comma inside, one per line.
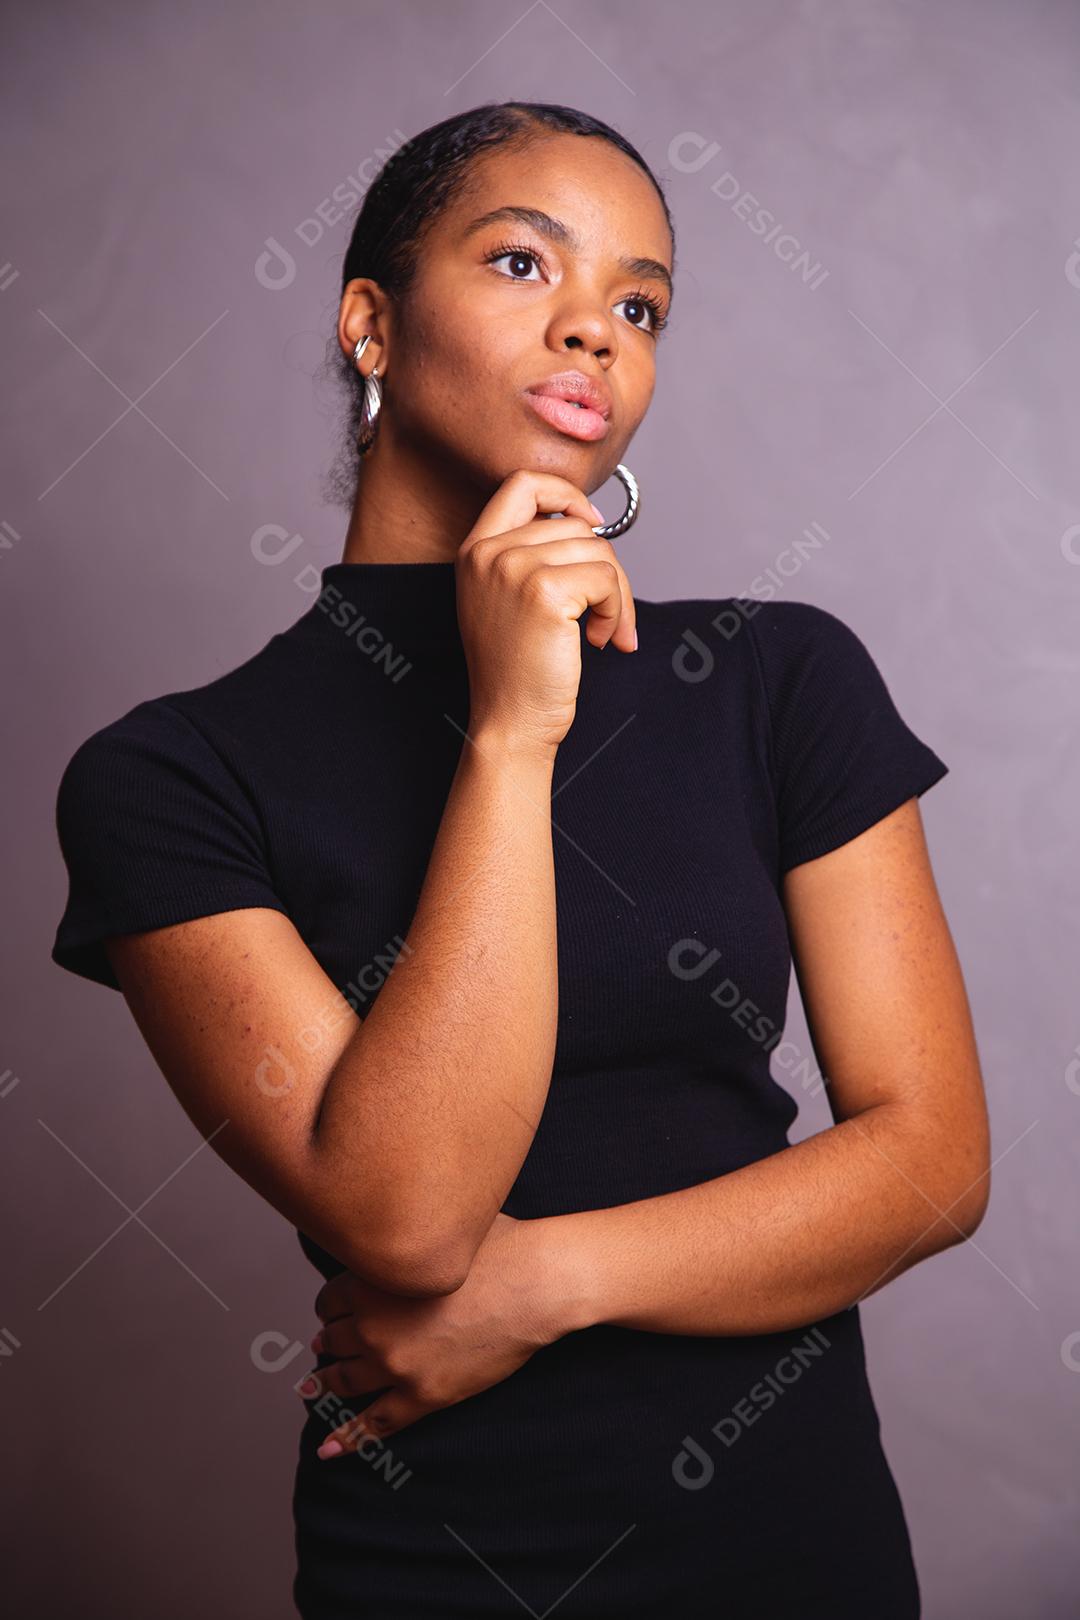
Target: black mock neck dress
(618,1474)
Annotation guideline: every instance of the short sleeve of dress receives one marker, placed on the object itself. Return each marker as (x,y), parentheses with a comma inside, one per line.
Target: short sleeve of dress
(842,757)
(154,829)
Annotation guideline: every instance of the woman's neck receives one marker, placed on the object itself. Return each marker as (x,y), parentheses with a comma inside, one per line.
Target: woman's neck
(407,509)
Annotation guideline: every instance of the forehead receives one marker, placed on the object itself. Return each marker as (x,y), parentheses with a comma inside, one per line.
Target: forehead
(600,193)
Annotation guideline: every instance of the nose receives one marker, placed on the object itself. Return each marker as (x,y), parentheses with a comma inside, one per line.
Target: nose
(591,329)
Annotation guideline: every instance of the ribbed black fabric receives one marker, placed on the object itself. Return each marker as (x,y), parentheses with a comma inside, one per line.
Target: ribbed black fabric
(617,1474)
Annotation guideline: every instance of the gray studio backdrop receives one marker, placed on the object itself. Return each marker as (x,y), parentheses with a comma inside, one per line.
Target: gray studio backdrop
(867,400)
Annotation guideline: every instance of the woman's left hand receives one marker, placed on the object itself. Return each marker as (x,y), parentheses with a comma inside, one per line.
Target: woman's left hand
(426,1353)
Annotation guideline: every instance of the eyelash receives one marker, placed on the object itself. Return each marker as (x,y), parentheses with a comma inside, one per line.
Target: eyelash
(651,303)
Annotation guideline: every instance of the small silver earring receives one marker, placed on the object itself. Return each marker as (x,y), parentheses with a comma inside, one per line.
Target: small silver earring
(369,412)
(608,531)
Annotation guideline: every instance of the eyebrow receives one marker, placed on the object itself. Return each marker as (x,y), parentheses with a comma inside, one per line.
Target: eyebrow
(557,231)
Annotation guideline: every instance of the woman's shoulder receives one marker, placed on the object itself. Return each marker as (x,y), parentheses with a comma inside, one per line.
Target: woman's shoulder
(769,639)
(156,824)
(152,732)
(181,723)
(154,752)
(782,616)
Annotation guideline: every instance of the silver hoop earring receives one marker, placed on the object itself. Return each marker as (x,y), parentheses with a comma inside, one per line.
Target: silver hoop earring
(369,411)
(608,531)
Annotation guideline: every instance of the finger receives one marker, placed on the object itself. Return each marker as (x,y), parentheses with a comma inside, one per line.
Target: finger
(367,1429)
(579,545)
(342,1336)
(571,549)
(595,585)
(333,1298)
(543,529)
(525,494)
(349,1378)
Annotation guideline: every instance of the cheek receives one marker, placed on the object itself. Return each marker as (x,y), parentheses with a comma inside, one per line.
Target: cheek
(489,382)
(638,392)
(451,365)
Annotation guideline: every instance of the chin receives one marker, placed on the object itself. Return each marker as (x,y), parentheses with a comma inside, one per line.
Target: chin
(574,459)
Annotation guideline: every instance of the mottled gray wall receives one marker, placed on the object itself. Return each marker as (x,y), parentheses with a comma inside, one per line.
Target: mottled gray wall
(893,372)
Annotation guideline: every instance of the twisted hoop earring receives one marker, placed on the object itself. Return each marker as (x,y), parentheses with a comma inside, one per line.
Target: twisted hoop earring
(608,531)
(369,411)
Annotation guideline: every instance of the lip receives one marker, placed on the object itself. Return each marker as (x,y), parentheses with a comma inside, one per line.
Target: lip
(573,403)
(579,422)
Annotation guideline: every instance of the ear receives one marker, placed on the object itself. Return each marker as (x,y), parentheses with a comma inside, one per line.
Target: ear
(364,309)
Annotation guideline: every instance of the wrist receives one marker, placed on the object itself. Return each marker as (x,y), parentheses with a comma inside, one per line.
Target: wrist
(568,1282)
(494,742)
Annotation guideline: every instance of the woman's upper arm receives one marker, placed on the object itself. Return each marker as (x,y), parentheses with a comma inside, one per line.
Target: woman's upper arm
(173,900)
(246,1028)
(881,984)
(884,994)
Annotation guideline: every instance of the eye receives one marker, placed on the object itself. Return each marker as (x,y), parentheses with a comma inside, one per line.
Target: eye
(518,254)
(515,255)
(657,318)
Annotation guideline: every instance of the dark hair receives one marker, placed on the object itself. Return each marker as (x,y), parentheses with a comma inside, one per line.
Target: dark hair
(412,188)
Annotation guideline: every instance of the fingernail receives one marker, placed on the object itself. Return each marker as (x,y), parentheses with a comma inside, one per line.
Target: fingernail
(330,1448)
(310,1386)
(635,639)
(597,514)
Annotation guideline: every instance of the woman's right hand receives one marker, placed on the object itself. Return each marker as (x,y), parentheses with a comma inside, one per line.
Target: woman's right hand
(523,581)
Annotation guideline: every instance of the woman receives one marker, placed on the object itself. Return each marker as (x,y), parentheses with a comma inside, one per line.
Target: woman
(469,948)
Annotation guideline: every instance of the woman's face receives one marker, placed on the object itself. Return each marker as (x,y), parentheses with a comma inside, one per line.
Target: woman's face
(500,306)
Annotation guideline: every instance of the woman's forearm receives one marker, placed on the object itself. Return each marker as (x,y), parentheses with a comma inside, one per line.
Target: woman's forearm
(431,1108)
(774,1245)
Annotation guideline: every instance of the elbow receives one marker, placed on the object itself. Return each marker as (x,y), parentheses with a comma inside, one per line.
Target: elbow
(975,1210)
(969,1205)
(418,1269)
(974,1196)
(952,1170)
